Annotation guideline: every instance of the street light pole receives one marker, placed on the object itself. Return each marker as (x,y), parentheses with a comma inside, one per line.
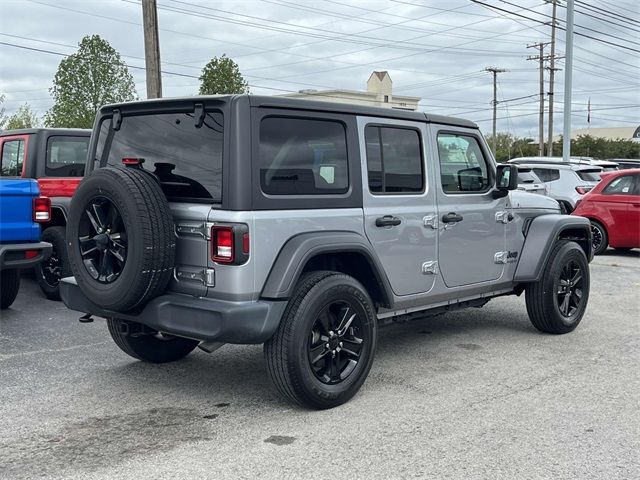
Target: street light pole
(566,132)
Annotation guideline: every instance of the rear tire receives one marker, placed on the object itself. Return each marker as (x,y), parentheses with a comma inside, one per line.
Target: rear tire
(49,272)
(9,286)
(600,238)
(557,302)
(151,348)
(323,349)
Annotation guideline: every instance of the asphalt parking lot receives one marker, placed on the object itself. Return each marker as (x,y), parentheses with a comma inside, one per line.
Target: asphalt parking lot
(472,394)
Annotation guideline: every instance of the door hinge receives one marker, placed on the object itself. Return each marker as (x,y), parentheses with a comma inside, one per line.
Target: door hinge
(504,217)
(430,268)
(194,229)
(430,221)
(206,276)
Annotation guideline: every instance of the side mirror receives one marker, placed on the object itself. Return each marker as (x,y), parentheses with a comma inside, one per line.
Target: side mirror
(506,179)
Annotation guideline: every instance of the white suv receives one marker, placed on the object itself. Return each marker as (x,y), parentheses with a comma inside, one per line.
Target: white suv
(566,182)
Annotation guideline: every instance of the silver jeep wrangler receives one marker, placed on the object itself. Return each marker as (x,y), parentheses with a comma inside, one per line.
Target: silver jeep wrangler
(304,225)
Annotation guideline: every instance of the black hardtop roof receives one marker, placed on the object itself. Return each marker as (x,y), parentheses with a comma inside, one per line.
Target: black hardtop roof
(80,132)
(301,104)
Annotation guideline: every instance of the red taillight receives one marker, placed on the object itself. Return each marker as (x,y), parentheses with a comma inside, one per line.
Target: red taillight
(132,161)
(230,243)
(41,209)
(31,254)
(583,190)
(222,244)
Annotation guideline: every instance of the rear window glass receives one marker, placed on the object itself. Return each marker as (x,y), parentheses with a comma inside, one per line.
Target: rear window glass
(589,175)
(12,158)
(547,174)
(186,159)
(300,156)
(66,156)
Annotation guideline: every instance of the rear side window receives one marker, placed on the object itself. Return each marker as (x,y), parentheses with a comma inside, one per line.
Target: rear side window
(463,167)
(301,156)
(589,175)
(620,186)
(526,177)
(547,174)
(394,160)
(66,156)
(186,157)
(12,158)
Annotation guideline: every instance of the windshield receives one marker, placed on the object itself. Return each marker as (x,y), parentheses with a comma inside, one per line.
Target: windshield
(186,158)
(589,175)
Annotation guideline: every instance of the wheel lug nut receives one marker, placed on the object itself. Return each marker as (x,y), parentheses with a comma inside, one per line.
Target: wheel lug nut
(340,344)
(327,345)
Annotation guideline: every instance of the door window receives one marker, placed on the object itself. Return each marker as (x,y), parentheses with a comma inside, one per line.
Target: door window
(300,156)
(620,186)
(463,166)
(394,160)
(66,156)
(12,158)
(547,174)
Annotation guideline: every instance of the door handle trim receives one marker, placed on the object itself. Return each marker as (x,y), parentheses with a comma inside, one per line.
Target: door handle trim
(388,221)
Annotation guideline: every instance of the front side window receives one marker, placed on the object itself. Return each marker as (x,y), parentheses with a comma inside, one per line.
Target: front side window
(66,156)
(12,158)
(394,160)
(301,156)
(620,186)
(185,154)
(463,166)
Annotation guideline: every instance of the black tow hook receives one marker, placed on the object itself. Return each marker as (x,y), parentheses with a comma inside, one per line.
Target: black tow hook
(86,318)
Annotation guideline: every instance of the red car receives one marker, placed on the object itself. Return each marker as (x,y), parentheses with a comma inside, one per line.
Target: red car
(613,206)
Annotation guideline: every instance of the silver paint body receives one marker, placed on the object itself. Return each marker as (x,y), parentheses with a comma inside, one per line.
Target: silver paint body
(427,267)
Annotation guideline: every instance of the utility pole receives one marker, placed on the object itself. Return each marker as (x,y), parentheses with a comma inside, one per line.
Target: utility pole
(151,48)
(495,71)
(540,57)
(552,73)
(568,64)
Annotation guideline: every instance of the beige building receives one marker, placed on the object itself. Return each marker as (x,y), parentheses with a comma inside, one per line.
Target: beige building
(608,133)
(379,93)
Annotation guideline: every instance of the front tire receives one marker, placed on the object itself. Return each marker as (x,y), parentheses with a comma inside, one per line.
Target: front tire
(557,302)
(323,349)
(600,240)
(49,272)
(149,347)
(9,286)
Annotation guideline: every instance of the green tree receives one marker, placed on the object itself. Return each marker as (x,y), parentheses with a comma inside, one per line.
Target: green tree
(93,76)
(24,117)
(222,75)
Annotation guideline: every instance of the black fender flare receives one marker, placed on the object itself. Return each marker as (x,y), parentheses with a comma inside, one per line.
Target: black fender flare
(542,234)
(298,250)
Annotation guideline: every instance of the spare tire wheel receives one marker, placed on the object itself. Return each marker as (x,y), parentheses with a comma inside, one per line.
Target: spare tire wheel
(120,238)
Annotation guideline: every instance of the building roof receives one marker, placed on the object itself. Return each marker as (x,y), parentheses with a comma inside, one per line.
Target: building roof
(380,74)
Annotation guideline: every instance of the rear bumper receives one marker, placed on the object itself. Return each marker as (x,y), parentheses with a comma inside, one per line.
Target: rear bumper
(191,317)
(12,254)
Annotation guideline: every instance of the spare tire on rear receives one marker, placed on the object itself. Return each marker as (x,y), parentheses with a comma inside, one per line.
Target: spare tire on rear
(120,238)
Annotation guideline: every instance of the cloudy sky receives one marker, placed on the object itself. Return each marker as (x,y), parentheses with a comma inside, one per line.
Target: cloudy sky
(434,49)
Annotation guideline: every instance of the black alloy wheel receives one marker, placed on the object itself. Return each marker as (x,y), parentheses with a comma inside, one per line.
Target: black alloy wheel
(569,291)
(336,341)
(51,269)
(102,240)
(596,235)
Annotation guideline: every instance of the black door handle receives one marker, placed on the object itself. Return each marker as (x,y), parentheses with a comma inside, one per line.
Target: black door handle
(388,221)
(451,217)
